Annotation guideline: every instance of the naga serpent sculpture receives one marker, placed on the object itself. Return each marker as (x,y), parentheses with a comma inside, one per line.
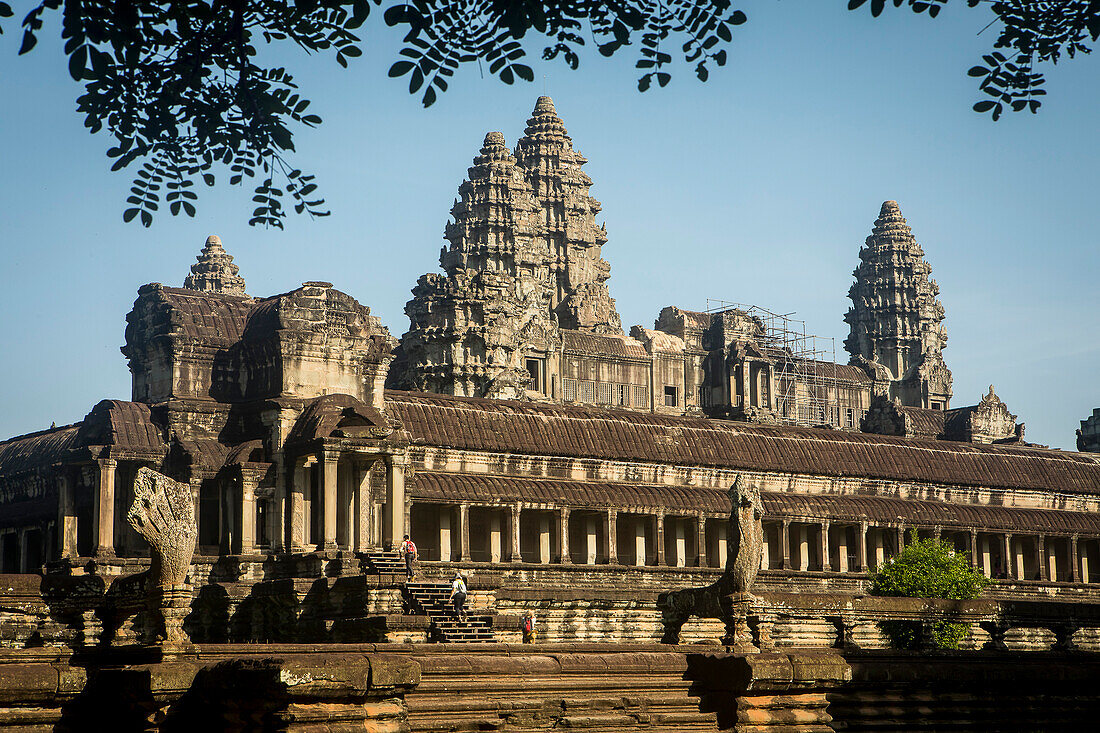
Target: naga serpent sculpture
(728,597)
(163,513)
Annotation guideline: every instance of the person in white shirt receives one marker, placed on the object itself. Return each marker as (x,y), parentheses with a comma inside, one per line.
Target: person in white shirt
(458,596)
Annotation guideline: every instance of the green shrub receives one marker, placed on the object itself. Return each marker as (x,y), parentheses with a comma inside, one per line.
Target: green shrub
(927,569)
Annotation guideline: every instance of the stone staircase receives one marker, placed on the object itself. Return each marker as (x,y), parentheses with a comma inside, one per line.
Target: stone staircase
(430,598)
(388,563)
(597,690)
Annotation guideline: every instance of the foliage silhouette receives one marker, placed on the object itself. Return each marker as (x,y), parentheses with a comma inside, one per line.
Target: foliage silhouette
(180,87)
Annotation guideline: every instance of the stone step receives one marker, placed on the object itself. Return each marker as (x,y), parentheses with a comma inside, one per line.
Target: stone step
(386,562)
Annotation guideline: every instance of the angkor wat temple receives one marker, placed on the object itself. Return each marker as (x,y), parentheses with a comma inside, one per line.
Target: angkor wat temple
(570,469)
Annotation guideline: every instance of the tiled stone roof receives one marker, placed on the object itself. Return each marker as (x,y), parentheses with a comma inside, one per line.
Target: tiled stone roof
(591,343)
(849,372)
(876,510)
(559,430)
(202,315)
(28,452)
(127,426)
(923,422)
(323,416)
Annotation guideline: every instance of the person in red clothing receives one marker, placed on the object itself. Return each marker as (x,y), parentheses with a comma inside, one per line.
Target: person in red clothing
(408,551)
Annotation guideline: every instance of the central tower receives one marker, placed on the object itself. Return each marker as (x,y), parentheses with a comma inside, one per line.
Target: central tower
(897,332)
(523,262)
(579,297)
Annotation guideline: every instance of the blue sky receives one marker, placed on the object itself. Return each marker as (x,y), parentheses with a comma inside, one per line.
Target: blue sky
(758,187)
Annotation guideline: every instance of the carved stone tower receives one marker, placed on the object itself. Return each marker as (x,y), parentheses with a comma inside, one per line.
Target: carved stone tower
(215,272)
(523,264)
(897,331)
(472,327)
(580,298)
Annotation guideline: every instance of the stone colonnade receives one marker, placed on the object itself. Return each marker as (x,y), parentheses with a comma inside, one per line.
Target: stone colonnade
(543,534)
(323,501)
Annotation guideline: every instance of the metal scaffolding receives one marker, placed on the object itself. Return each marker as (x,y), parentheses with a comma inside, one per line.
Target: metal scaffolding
(806,390)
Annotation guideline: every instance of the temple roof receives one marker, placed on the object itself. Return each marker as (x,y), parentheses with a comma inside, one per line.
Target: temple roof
(35,450)
(610,345)
(589,432)
(216,317)
(127,426)
(338,413)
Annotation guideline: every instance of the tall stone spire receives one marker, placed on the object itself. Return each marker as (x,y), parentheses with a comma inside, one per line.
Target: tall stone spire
(580,298)
(215,272)
(471,329)
(897,330)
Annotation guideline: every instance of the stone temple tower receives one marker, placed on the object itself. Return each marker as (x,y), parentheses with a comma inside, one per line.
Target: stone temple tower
(471,328)
(897,331)
(215,272)
(523,263)
(580,299)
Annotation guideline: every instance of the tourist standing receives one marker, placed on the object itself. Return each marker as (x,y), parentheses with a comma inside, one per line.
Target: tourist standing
(408,551)
(529,632)
(458,597)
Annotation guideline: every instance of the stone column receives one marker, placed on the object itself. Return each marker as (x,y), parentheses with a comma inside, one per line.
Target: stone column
(701,540)
(842,550)
(445,534)
(826,561)
(297,540)
(24,551)
(393,524)
(544,538)
(765,551)
(103,513)
(463,532)
(364,509)
(66,516)
(720,528)
(1074,564)
(1042,560)
(517,556)
(975,560)
(680,542)
(248,517)
(563,535)
(1009,558)
(901,538)
(1021,566)
(784,544)
(345,533)
(659,538)
(278,505)
(591,535)
(612,536)
(496,539)
(227,509)
(1052,561)
(329,463)
(987,556)
(861,550)
(1086,575)
(639,540)
(880,547)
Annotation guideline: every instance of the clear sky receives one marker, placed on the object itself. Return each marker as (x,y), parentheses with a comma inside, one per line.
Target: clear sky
(758,187)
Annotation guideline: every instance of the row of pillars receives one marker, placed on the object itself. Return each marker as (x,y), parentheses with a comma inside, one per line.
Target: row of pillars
(597,533)
(289,526)
(344,513)
(355,532)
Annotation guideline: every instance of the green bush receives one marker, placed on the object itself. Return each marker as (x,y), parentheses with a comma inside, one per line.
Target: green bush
(927,569)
